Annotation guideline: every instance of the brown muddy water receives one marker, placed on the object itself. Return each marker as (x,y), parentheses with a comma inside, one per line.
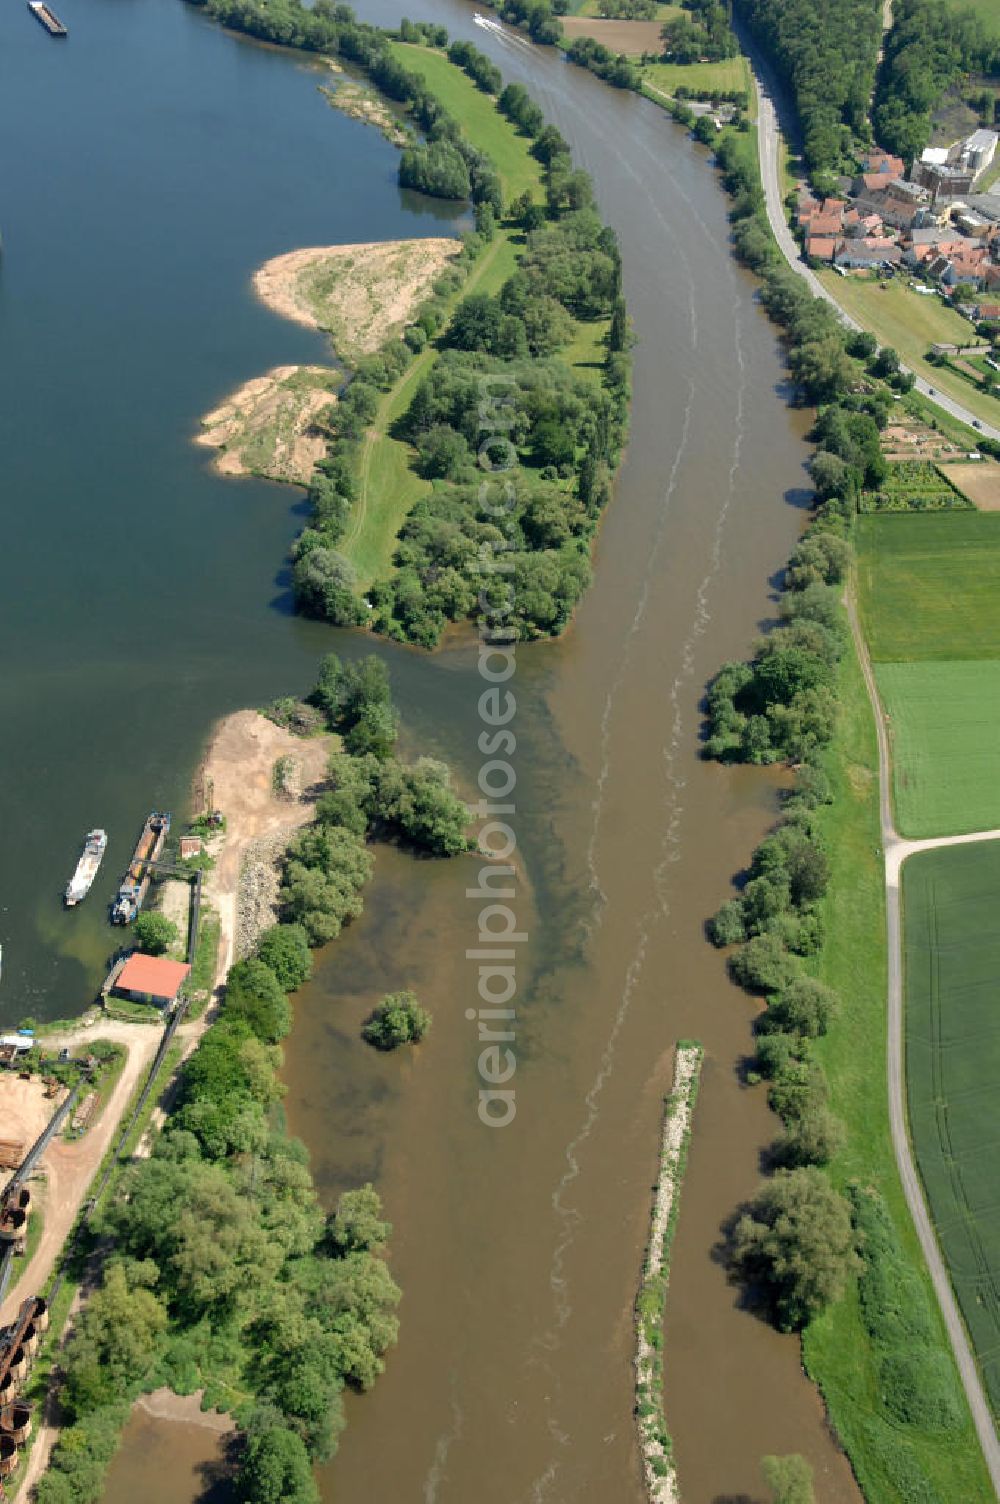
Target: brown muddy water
(519,1249)
(169,1462)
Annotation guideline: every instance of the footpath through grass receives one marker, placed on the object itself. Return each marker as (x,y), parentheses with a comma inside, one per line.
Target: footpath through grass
(388,485)
(838,1351)
(952,945)
(930,602)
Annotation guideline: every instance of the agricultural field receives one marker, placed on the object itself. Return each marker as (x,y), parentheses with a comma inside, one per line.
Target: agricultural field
(952,1026)
(914,486)
(631,37)
(979,481)
(929,588)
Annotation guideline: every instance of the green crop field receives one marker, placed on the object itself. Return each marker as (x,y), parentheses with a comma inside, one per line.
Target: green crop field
(929,587)
(952,897)
(944,722)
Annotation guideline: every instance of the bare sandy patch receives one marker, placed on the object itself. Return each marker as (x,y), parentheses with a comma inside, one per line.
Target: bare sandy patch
(363,104)
(269,426)
(359,294)
(164,1404)
(631,37)
(979,481)
(239,763)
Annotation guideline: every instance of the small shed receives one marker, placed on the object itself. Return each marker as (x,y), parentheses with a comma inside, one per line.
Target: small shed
(190,846)
(151,979)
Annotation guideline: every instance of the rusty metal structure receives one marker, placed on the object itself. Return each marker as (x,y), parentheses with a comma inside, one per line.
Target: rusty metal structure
(18,1345)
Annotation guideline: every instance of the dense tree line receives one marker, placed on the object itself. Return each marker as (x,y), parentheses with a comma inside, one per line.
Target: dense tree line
(827,56)
(612,67)
(704,33)
(929,46)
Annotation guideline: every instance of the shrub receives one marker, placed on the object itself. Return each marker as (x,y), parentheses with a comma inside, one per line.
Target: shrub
(398,1019)
(795,1242)
(154,932)
(284,948)
(728,926)
(805,1007)
(918,1389)
(763,965)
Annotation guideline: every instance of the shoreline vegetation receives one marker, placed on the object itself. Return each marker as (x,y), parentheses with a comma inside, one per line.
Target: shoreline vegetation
(219,1273)
(404,534)
(827,1242)
(654,1437)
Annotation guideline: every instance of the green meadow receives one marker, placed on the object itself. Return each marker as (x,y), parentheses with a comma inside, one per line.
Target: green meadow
(952,944)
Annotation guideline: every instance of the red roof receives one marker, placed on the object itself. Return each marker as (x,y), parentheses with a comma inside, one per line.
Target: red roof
(822,247)
(153,976)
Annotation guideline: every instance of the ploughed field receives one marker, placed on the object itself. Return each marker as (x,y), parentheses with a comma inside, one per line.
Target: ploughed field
(952,940)
(929,588)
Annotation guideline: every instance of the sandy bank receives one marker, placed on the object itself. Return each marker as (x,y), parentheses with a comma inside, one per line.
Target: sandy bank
(164,1404)
(239,765)
(359,294)
(270,425)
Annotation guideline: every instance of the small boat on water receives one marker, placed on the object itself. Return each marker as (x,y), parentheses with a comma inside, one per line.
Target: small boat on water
(48,18)
(135,884)
(86,868)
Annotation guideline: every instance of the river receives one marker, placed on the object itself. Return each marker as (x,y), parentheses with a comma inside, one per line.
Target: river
(163,162)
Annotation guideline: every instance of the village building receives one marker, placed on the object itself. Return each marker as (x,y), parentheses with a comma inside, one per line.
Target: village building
(151,979)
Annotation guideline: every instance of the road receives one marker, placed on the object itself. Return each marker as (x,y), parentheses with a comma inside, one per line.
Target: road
(768,141)
(896,850)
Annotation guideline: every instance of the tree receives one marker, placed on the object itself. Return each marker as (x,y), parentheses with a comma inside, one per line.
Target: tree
(285,949)
(796,1242)
(255,996)
(398,1019)
(804,1007)
(357,1226)
(276,1470)
(789,1479)
(374,731)
(419,803)
(763,965)
(154,932)
(325,584)
(728,927)
(115,1337)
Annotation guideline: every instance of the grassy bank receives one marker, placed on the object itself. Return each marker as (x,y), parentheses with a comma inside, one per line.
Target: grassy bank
(481,122)
(838,1350)
(732,73)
